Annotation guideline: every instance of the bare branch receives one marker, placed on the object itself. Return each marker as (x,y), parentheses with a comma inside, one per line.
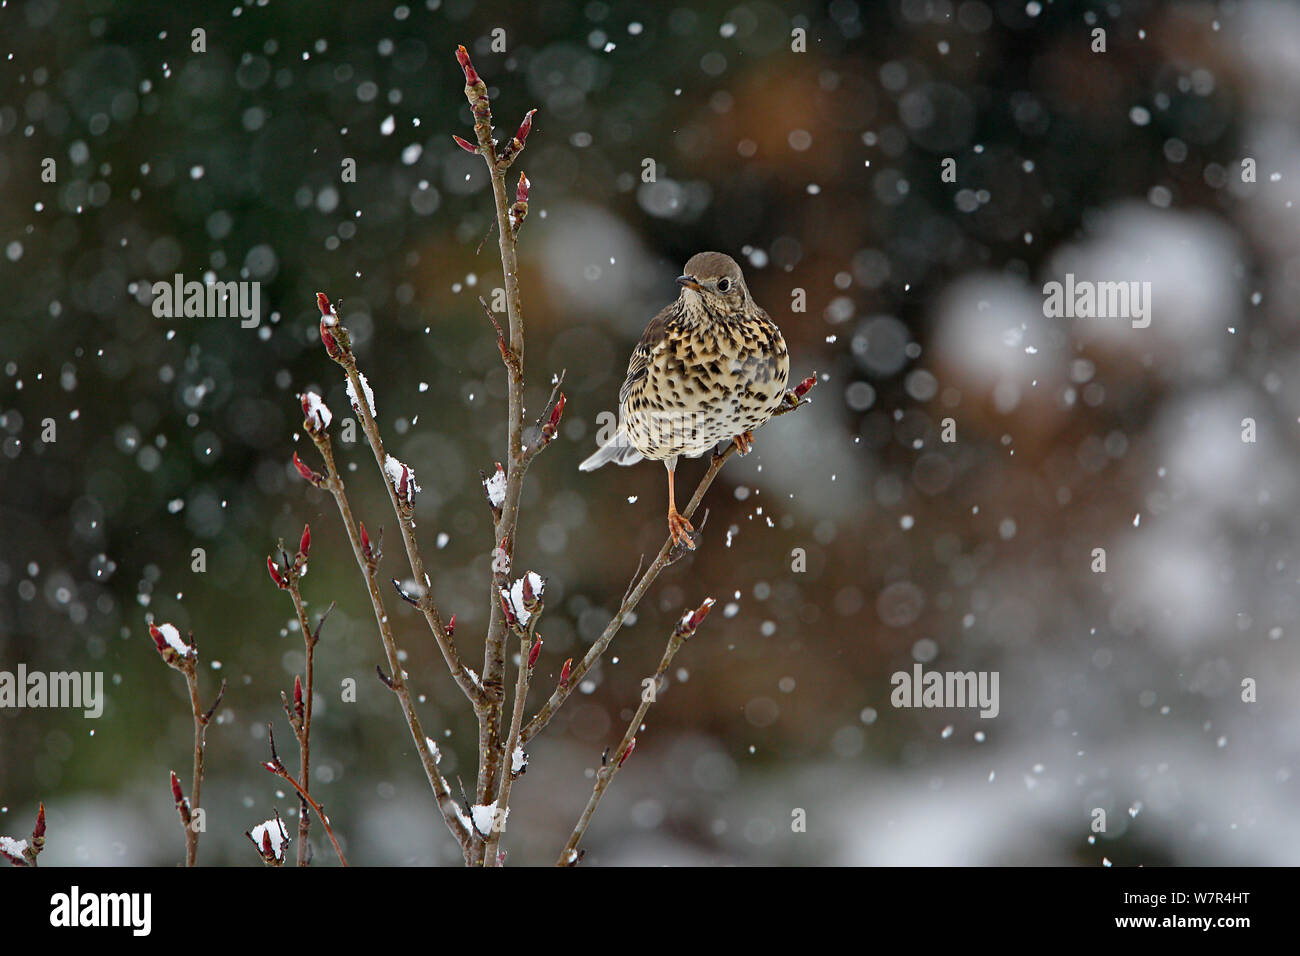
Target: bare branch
(341,352)
(276,767)
(300,713)
(686,626)
(333,482)
(508,218)
(508,356)
(221,692)
(508,773)
(184,657)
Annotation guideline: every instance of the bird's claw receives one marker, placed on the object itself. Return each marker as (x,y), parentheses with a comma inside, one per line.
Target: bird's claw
(744,442)
(681,531)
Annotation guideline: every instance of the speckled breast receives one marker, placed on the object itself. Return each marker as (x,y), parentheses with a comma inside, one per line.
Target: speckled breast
(706,384)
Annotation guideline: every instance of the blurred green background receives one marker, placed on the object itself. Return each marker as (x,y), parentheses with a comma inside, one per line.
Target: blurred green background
(819,171)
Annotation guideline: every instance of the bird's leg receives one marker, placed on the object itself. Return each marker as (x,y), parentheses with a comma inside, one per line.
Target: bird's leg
(744,442)
(678,527)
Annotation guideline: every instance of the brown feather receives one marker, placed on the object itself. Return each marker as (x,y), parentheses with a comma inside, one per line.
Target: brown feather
(654,334)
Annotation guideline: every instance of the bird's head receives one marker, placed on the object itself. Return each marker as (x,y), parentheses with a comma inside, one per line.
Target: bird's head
(716,281)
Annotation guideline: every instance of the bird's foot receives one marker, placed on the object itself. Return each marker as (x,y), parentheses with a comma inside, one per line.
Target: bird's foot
(744,442)
(680,529)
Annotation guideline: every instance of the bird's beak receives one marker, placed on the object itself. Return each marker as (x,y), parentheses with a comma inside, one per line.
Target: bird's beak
(688,282)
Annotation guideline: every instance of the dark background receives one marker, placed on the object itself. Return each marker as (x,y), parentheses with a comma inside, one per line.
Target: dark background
(819,171)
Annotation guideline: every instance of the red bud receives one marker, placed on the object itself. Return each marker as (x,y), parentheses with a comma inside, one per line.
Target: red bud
(521,191)
(691,619)
(451,626)
(38,831)
(328,318)
(564,672)
(553,423)
(177,795)
(805,386)
(525,128)
(280,580)
(465,144)
(462,57)
(627,753)
(516,145)
(508,611)
(701,612)
(158,638)
(307,473)
(534,653)
(314,413)
(297,695)
(304,546)
(267,851)
(331,344)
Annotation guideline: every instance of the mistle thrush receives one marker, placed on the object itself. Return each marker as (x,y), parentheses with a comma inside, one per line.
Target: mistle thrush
(711,366)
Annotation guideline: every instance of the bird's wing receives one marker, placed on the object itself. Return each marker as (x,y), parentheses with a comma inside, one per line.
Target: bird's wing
(639,363)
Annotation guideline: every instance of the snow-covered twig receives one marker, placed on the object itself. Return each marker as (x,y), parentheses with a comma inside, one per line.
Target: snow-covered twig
(184,657)
(367,556)
(275,766)
(401,486)
(24,852)
(529,603)
(492,749)
(270,839)
(299,713)
(610,766)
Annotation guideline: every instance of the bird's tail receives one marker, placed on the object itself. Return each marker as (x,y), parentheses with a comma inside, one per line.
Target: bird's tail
(617,449)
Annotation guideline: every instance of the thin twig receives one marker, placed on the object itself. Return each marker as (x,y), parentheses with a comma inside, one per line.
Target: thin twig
(452,815)
(201,719)
(299,714)
(667,554)
(640,563)
(464,679)
(610,767)
(185,658)
(512,742)
(200,735)
(491,748)
(549,421)
(276,767)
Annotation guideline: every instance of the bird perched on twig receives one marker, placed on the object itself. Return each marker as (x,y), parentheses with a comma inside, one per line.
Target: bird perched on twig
(711,367)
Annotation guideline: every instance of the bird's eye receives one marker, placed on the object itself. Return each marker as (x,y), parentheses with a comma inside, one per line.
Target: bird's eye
(724,284)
